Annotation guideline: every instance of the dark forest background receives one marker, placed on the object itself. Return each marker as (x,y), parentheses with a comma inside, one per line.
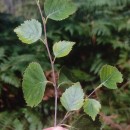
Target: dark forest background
(101,30)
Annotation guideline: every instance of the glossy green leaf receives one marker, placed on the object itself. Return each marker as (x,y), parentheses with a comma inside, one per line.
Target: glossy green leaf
(59,9)
(62,48)
(73,98)
(110,76)
(29,32)
(34,83)
(92,107)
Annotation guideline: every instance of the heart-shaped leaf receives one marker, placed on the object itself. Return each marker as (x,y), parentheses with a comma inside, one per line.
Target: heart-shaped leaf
(59,9)
(92,107)
(29,32)
(110,76)
(73,98)
(62,48)
(34,83)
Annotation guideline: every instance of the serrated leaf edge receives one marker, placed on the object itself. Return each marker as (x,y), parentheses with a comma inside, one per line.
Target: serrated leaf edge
(73,43)
(48,16)
(68,90)
(98,109)
(22,82)
(111,75)
(24,24)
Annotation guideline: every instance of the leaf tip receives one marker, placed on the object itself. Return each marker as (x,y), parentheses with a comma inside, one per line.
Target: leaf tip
(29,32)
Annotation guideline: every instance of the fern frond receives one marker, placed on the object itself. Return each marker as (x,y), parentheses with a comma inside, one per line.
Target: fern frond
(33,120)
(108,3)
(97,64)
(10,78)
(2,53)
(6,120)
(22,119)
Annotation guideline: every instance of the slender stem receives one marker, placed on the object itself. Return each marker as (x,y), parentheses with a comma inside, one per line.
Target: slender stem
(54,60)
(39,7)
(125,85)
(95,90)
(64,118)
(49,82)
(53,74)
(68,114)
(51,61)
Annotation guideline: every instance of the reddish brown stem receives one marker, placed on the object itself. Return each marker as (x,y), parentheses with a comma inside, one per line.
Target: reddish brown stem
(52,64)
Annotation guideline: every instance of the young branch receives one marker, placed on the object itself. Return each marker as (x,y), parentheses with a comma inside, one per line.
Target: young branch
(45,41)
(95,90)
(68,114)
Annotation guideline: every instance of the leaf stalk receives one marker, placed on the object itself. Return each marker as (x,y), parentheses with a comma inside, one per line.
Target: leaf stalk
(95,90)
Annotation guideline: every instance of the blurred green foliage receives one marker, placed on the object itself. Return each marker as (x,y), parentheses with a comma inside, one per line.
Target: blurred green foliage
(101,30)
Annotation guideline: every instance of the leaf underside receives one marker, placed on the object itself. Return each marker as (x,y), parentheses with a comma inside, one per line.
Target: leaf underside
(29,32)
(59,9)
(34,83)
(73,98)
(110,76)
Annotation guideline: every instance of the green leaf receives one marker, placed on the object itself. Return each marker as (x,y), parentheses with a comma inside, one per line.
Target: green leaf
(29,32)
(34,83)
(62,48)
(92,107)
(59,9)
(110,76)
(73,98)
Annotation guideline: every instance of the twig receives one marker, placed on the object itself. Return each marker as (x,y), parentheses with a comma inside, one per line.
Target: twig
(39,7)
(66,116)
(95,90)
(125,85)
(51,61)
(54,60)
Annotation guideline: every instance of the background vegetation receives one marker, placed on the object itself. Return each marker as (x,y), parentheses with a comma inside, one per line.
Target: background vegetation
(101,30)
